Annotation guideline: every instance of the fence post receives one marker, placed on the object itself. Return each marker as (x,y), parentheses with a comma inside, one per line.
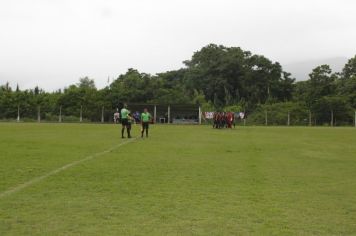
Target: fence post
(38,114)
(288,123)
(102,114)
(18,113)
(310,118)
(81,114)
(60,114)
(155,114)
(199,115)
(244,117)
(169,114)
(332,118)
(355,119)
(266,118)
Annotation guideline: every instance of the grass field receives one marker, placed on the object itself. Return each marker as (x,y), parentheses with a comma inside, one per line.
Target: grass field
(183,180)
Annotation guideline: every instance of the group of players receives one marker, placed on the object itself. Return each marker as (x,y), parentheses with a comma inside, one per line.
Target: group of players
(125,117)
(223,120)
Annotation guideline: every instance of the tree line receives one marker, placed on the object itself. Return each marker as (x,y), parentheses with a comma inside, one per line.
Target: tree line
(215,77)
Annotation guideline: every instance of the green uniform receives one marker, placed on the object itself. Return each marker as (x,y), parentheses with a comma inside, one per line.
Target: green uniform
(145,117)
(125,122)
(124,113)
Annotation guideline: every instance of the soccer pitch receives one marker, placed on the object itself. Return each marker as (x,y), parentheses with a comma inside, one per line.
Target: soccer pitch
(71,179)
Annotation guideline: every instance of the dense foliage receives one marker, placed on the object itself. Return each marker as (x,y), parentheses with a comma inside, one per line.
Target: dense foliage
(216,77)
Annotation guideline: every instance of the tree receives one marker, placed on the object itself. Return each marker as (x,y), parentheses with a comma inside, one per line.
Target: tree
(322,83)
(329,109)
(227,78)
(227,75)
(86,83)
(131,87)
(350,68)
(347,88)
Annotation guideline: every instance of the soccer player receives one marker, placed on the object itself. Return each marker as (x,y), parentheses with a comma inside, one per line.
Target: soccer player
(125,116)
(145,120)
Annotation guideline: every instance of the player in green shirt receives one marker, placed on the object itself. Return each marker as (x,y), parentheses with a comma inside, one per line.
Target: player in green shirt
(145,120)
(125,116)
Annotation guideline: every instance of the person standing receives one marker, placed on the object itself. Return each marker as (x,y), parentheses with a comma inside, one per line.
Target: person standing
(125,116)
(145,120)
(117,116)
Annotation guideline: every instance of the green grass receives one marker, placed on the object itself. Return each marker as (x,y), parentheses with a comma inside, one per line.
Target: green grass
(183,180)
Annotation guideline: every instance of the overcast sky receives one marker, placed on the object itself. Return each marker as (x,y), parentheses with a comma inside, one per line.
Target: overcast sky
(52,43)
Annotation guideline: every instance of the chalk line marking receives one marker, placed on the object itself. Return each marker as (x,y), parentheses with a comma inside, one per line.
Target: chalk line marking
(56,171)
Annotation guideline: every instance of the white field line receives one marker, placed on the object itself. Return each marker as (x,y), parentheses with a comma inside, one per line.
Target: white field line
(56,171)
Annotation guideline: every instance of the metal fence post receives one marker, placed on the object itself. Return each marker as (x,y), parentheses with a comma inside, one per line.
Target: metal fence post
(244,116)
(310,118)
(266,118)
(60,114)
(81,114)
(332,118)
(199,115)
(169,114)
(288,122)
(155,114)
(39,114)
(102,114)
(18,113)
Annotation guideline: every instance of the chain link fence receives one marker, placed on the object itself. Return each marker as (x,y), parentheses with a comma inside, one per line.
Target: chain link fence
(176,114)
(162,113)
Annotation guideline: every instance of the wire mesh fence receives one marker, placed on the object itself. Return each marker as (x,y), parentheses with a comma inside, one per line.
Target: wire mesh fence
(175,114)
(59,114)
(162,113)
(169,113)
(300,118)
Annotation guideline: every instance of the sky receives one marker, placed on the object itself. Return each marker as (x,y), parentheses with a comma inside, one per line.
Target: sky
(53,43)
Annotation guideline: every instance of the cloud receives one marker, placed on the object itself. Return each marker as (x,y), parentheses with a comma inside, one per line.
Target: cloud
(53,43)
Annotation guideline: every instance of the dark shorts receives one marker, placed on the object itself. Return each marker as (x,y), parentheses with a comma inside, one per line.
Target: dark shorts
(145,125)
(124,122)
